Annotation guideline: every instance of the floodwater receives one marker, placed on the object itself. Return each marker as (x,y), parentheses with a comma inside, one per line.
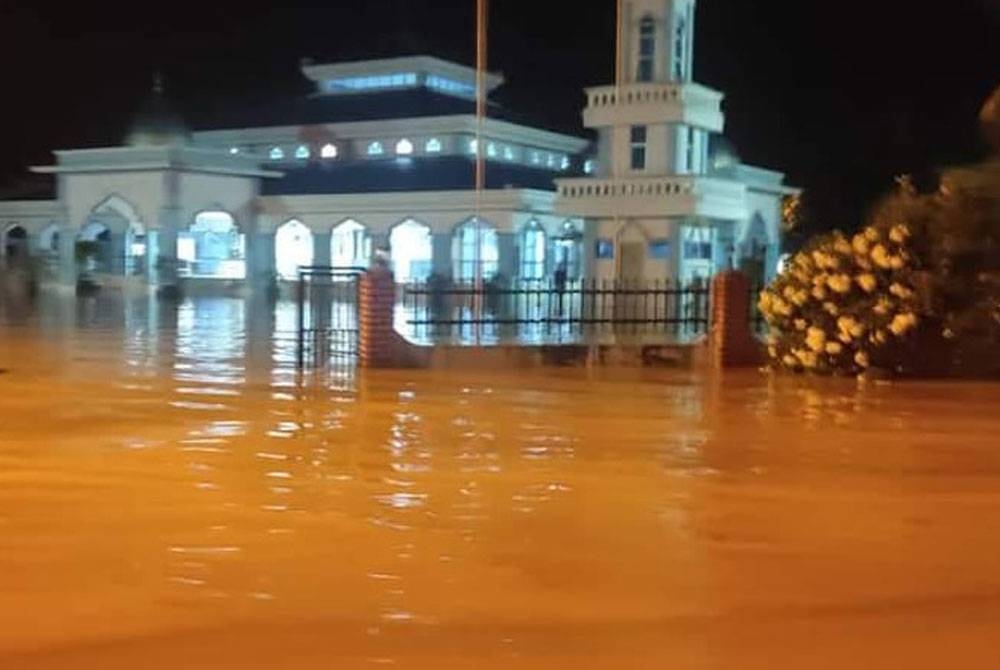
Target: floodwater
(173,496)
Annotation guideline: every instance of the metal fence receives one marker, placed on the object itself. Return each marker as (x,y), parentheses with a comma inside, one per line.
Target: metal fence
(540,310)
(327,316)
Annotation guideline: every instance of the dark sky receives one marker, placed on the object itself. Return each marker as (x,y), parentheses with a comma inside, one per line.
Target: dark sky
(842,96)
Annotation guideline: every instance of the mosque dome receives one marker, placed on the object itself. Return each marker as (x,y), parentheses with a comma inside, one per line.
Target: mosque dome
(989,118)
(157,122)
(722,153)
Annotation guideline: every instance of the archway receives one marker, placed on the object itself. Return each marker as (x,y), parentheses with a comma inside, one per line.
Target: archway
(48,240)
(475,244)
(14,242)
(569,251)
(293,249)
(350,245)
(94,252)
(212,248)
(412,251)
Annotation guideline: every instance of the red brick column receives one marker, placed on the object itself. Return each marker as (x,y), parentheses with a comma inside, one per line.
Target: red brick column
(376,334)
(732,343)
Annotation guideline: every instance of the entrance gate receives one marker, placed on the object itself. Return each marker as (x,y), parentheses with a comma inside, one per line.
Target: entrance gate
(327,331)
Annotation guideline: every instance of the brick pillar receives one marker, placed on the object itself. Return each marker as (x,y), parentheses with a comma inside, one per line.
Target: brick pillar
(732,343)
(377,339)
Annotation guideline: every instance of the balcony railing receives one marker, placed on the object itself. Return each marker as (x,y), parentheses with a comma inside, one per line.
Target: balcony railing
(598,188)
(632,94)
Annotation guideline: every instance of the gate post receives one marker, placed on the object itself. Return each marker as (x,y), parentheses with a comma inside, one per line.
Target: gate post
(731,341)
(376,334)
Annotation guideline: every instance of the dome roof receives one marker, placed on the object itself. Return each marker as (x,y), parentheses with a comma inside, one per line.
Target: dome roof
(157,123)
(989,118)
(722,153)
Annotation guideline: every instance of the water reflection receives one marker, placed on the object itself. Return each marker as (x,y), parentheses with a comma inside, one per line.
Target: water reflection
(396,517)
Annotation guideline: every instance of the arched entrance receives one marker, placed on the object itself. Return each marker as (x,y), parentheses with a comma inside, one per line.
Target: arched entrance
(350,245)
(475,243)
(94,254)
(293,248)
(212,248)
(569,251)
(411,250)
(14,243)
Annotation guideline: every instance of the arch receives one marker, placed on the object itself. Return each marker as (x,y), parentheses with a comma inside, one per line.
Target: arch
(404,147)
(293,248)
(475,244)
(411,250)
(568,249)
(48,239)
(14,241)
(213,247)
(350,244)
(115,206)
(534,246)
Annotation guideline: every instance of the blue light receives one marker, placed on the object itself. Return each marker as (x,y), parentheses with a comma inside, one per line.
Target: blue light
(276,154)
(433,146)
(372,83)
(302,152)
(376,149)
(450,86)
(590,166)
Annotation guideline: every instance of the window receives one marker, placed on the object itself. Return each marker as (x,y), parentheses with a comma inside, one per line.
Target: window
(647,50)
(638,142)
(276,153)
(508,153)
(691,140)
(357,84)
(697,250)
(376,149)
(412,251)
(680,50)
(533,245)
(551,161)
(212,247)
(604,249)
(234,150)
(302,152)
(590,166)
(404,147)
(536,158)
(491,150)
(475,244)
(328,151)
(450,86)
(659,249)
(564,163)
(433,146)
(474,147)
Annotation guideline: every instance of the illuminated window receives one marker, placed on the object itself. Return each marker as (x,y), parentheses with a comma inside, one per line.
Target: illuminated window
(590,167)
(469,237)
(536,158)
(647,50)
(404,147)
(328,151)
(551,161)
(689,156)
(564,164)
(638,140)
(508,153)
(234,150)
(302,152)
(433,146)
(533,244)
(411,251)
(450,86)
(474,146)
(376,149)
(276,153)
(491,150)
(385,81)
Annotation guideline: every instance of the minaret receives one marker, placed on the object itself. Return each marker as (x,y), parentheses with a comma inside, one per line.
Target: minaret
(661,124)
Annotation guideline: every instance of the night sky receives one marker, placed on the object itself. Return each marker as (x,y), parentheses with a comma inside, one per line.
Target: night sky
(841,96)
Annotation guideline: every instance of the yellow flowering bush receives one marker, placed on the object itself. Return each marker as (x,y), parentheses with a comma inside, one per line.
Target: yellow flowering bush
(844,304)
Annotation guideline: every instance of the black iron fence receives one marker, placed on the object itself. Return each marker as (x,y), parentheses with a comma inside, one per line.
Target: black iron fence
(542,310)
(327,316)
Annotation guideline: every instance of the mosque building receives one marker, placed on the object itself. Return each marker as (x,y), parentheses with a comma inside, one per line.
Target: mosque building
(382,155)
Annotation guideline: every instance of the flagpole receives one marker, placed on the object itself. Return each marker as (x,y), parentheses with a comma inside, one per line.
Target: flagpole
(482,28)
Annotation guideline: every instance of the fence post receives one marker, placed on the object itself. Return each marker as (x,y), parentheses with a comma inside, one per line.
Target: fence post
(376,334)
(731,341)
